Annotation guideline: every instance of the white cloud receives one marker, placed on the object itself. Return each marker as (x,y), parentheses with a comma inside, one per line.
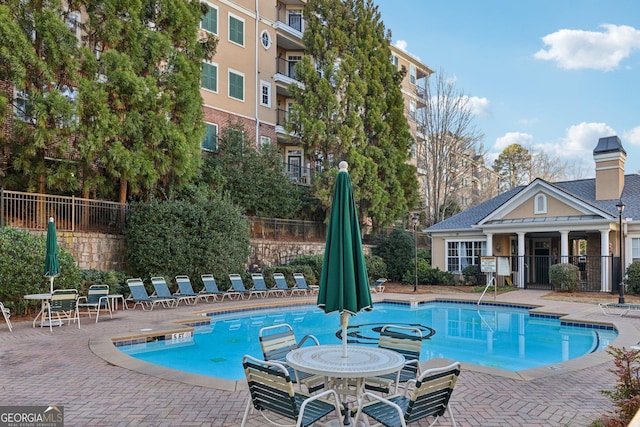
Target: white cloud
(479,106)
(632,137)
(523,139)
(401,44)
(579,49)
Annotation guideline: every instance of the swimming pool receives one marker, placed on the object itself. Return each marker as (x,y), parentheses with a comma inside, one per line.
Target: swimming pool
(498,336)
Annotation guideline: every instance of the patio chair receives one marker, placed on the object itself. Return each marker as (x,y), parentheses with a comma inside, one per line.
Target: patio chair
(301,285)
(6,313)
(260,285)
(64,305)
(140,296)
(186,289)
(429,396)
(97,299)
(162,290)
(378,286)
(211,288)
(237,288)
(407,341)
(278,340)
(281,283)
(271,390)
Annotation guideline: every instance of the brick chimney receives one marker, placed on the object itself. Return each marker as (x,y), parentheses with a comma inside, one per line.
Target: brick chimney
(609,156)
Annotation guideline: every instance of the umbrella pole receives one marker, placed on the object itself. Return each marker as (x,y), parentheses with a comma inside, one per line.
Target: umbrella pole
(344,321)
(51,285)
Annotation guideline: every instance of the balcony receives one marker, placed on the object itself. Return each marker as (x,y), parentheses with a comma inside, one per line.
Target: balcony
(289,29)
(298,174)
(285,75)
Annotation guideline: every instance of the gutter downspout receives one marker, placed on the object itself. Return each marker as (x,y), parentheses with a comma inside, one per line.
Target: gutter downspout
(257,75)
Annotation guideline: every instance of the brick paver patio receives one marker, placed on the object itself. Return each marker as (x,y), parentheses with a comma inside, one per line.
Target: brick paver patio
(60,368)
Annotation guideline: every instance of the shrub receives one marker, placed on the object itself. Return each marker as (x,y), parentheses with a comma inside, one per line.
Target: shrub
(564,277)
(633,278)
(22,266)
(471,274)
(396,250)
(192,238)
(314,262)
(626,394)
(376,267)
(117,281)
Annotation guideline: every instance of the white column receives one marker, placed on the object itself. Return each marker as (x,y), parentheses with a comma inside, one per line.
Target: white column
(564,246)
(489,244)
(520,283)
(605,279)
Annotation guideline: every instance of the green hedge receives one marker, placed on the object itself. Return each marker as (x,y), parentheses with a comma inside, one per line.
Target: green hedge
(22,267)
(186,238)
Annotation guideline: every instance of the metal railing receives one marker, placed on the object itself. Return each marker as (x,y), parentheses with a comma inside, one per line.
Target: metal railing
(286,68)
(31,211)
(287,229)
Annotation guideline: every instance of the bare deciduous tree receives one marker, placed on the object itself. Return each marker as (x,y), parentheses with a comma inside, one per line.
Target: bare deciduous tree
(451,150)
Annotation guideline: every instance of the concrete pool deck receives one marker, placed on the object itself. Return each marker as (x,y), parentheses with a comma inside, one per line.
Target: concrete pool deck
(112,389)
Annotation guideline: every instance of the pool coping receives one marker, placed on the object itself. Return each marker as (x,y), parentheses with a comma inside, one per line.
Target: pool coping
(105,348)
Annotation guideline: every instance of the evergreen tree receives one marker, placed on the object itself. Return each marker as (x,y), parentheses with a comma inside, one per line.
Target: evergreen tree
(351,108)
(514,166)
(109,105)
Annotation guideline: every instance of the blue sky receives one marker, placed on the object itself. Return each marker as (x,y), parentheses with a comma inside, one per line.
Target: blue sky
(551,75)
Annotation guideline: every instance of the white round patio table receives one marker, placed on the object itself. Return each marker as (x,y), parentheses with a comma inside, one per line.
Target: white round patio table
(43,299)
(345,374)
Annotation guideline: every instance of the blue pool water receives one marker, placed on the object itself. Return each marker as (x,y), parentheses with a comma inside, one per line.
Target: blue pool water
(501,337)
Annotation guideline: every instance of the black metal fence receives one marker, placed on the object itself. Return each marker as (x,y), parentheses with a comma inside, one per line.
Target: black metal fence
(591,268)
(31,211)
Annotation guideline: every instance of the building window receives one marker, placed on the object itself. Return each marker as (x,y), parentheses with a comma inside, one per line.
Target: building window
(210,76)
(412,74)
(210,142)
(210,20)
(236,85)
(635,249)
(73,23)
(265,140)
(412,109)
(540,204)
(462,254)
(394,61)
(265,94)
(236,30)
(265,39)
(22,105)
(295,19)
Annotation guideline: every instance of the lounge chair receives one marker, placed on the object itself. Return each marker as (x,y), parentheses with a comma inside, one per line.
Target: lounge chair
(260,285)
(378,286)
(281,283)
(64,304)
(162,291)
(6,313)
(271,389)
(406,340)
(97,299)
(140,296)
(237,287)
(211,288)
(301,285)
(278,340)
(429,396)
(186,289)
(617,309)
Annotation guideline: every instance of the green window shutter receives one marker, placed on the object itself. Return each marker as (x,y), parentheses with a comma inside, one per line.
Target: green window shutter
(236,86)
(210,141)
(210,77)
(236,30)
(210,20)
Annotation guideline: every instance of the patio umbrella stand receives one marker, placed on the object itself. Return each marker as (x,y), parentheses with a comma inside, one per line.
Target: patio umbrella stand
(344,283)
(51,264)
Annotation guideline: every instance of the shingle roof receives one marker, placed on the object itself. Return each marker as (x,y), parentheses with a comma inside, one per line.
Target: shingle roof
(582,189)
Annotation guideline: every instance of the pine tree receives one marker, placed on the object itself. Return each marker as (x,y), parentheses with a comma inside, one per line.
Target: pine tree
(351,108)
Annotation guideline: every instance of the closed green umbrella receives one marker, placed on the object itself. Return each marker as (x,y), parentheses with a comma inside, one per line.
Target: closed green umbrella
(344,283)
(51,265)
